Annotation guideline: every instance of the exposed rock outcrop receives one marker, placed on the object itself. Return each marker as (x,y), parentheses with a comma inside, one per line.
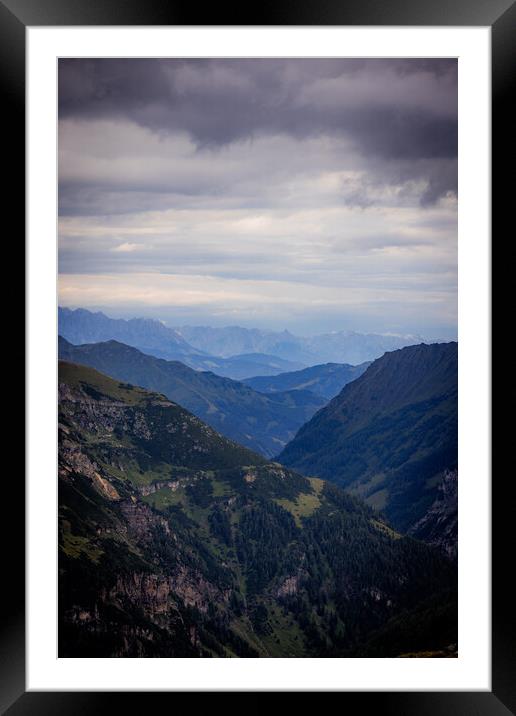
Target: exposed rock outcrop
(439,525)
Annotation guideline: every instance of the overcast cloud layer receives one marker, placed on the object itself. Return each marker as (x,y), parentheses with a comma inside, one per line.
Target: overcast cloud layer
(306,194)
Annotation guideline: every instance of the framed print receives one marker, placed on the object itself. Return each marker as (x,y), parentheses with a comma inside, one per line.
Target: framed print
(258,268)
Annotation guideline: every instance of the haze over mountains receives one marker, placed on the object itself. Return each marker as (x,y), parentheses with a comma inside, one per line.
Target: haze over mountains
(338,347)
(390,436)
(176,542)
(235,352)
(264,423)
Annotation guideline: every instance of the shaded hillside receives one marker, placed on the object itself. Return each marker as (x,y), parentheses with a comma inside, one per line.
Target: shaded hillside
(174,542)
(325,380)
(261,422)
(390,434)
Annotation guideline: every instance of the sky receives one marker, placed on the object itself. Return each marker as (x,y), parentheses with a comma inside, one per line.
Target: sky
(307,194)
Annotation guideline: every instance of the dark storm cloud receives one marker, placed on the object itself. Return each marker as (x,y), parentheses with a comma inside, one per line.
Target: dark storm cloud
(395,109)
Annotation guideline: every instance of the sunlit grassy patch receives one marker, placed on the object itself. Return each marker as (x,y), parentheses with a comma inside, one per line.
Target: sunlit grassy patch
(165,497)
(316,484)
(304,505)
(74,545)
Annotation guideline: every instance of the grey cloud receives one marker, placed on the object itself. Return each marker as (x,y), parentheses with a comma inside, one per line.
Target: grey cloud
(391,109)
(135,172)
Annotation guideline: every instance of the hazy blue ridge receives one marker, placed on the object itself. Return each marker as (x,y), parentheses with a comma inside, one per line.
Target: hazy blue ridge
(326,380)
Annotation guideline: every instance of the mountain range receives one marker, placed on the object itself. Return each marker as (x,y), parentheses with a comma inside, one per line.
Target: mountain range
(264,423)
(390,436)
(176,542)
(232,351)
(154,338)
(336,347)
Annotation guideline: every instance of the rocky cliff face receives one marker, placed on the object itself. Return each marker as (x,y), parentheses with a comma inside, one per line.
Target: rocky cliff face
(439,525)
(173,541)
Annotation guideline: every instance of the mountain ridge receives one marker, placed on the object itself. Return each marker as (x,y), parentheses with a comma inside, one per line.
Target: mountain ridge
(221,347)
(326,380)
(261,422)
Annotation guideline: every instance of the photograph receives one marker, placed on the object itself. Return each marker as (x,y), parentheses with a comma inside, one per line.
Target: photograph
(263,273)
(258,344)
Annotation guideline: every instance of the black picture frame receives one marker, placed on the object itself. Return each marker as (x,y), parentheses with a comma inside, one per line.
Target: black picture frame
(500,15)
